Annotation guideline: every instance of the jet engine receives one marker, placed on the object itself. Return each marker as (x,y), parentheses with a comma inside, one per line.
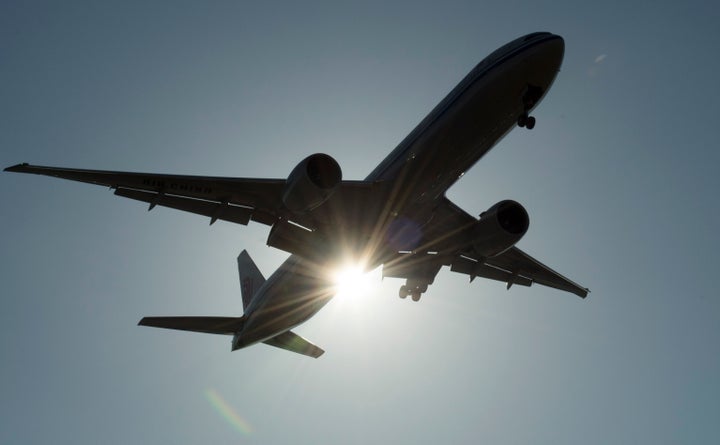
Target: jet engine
(499,228)
(311,183)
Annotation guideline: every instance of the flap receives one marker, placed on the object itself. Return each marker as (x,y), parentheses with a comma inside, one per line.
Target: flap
(517,261)
(476,269)
(212,209)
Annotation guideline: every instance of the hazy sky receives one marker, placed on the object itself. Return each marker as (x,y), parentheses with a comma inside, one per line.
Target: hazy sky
(619,178)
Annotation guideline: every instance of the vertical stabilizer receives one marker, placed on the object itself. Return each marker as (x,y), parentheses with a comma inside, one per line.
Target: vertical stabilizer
(250,277)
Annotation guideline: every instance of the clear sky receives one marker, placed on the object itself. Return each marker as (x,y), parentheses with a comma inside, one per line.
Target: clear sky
(619,178)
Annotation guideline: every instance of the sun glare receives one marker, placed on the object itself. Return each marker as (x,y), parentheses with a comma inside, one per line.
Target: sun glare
(352,282)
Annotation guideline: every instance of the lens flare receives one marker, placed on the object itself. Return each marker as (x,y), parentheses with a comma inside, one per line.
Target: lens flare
(351,281)
(228,412)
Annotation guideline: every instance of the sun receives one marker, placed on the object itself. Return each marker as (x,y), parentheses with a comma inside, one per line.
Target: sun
(351,281)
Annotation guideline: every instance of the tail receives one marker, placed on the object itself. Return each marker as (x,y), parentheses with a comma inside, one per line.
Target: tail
(251,279)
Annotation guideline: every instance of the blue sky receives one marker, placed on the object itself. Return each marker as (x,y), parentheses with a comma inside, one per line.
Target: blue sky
(619,178)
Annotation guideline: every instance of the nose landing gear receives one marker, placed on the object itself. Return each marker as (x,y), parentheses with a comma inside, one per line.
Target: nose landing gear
(531,96)
(526,121)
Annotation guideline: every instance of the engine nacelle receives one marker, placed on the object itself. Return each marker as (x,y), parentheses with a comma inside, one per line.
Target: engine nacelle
(499,228)
(311,183)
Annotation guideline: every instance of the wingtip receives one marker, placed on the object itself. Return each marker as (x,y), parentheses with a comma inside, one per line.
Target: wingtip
(17,167)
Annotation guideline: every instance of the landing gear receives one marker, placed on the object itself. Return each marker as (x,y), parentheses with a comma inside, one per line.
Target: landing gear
(418,270)
(526,121)
(403,293)
(530,98)
(413,289)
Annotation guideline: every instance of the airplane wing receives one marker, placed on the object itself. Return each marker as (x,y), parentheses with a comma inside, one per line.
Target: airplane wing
(241,200)
(516,267)
(512,266)
(237,200)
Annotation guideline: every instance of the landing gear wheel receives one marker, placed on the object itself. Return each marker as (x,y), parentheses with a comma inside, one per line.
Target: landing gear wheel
(522,120)
(530,123)
(416,295)
(403,293)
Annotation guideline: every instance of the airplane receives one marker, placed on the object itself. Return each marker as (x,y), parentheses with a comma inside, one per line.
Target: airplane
(398,216)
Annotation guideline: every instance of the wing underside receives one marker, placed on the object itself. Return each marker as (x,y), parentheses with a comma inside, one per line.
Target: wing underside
(237,200)
(513,266)
(516,267)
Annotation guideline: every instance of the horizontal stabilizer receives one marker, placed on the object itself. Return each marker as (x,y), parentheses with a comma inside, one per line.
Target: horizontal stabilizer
(293,342)
(207,325)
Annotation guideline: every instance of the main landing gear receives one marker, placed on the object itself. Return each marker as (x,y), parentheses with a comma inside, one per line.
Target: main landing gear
(414,290)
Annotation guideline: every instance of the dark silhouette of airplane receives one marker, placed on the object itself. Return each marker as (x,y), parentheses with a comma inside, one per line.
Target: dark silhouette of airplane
(398,217)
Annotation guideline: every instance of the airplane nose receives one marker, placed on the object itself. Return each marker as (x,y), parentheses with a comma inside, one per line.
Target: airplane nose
(546,46)
(556,46)
(552,51)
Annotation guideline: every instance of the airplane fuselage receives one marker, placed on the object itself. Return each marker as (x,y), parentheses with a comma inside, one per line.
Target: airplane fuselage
(476,114)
